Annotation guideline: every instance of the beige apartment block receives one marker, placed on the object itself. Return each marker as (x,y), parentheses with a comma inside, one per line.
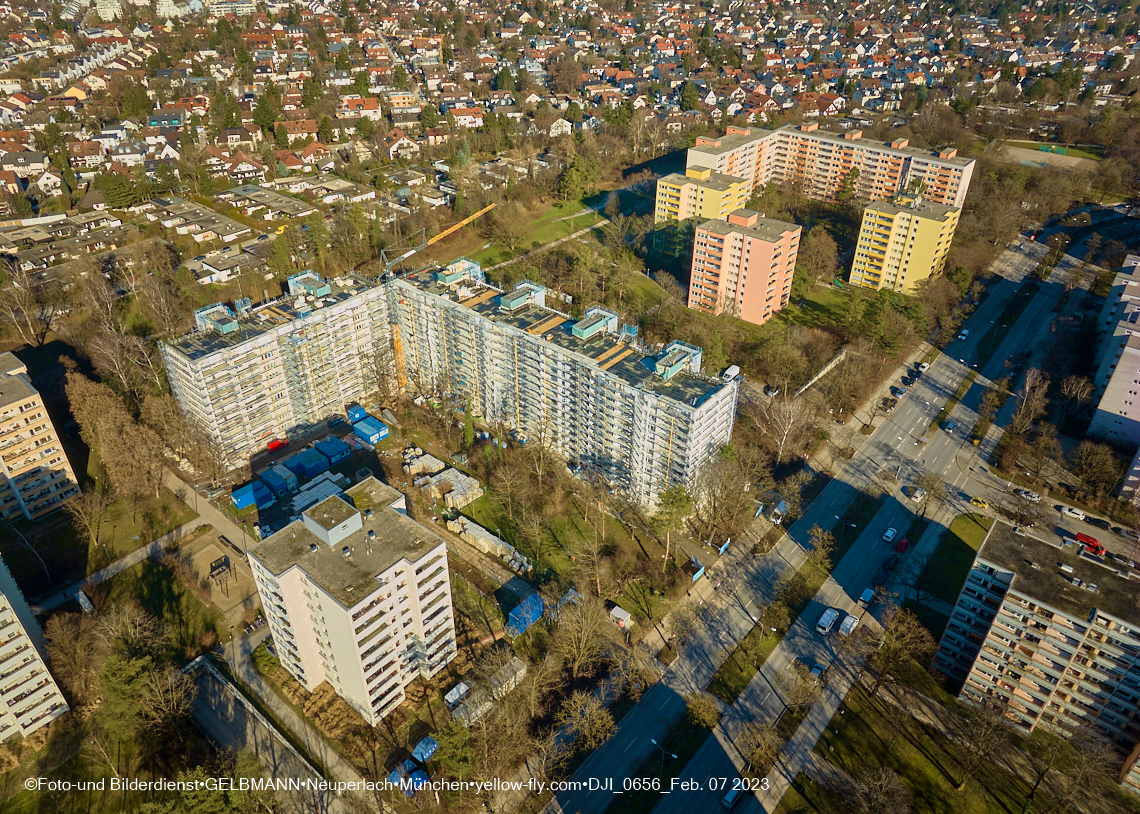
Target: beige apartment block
(35,475)
(357,594)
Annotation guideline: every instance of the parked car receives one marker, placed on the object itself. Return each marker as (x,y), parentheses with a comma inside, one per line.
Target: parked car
(816,672)
(1032,497)
(950,426)
(827,621)
(902,545)
(922,368)
(977,501)
(847,626)
(1076,514)
(889,535)
(277,443)
(964,334)
(1123,532)
(1098,523)
(199,258)
(336,421)
(866,598)
(770,391)
(907,381)
(898,392)
(880,577)
(918,495)
(732,797)
(263,237)
(891,561)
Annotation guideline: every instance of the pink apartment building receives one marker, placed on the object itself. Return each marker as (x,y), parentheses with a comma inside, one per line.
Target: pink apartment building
(743,266)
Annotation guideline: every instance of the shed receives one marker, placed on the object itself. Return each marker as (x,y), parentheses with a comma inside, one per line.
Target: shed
(252,494)
(456,694)
(621,617)
(370,430)
(356,413)
(425,749)
(283,473)
(308,463)
(333,448)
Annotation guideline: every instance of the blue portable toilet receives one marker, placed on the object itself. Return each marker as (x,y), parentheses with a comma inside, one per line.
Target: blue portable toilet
(333,448)
(308,463)
(370,430)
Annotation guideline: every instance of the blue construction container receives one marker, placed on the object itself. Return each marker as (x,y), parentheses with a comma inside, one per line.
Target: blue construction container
(274,482)
(425,749)
(525,614)
(370,430)
(252,494)
(355,413)
(307,464)
(333,448)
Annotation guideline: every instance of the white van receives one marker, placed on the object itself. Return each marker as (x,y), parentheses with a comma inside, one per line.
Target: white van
(732,797)
(827,621)
(777,515)
(848,625)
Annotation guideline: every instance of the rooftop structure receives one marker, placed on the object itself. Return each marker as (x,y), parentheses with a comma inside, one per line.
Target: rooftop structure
(902,242)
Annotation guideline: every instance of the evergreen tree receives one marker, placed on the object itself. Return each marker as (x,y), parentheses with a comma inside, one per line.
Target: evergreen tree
(281,137)
(364,128)
(429,116)
(324,130)
(505,80)
(690,99)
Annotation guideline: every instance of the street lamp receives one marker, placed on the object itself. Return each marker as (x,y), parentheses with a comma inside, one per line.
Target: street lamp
(661,768)
(840,519)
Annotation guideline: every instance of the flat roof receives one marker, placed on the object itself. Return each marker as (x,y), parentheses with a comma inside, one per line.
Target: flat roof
(924,207)
(1116,595)
(13,387)
(264,318)
(737,140)
(350,579)
(717,180)
(600,350)
(769,230)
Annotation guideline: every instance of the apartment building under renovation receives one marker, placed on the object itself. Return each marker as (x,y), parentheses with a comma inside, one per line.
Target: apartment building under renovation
(1052,632)
(643,419)
(259,373)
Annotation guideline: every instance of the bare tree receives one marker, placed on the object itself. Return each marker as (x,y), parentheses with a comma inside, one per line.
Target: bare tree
(786,422)
(1032,401)
(1077,392)
(822,547)
(583,636)
(800,687)
(983,733)
(878,790)
(586,719)
(72,647)
(702,710)
(936,494)
(25,305)
(1045,752)
(166,699)
(1089,767)
(87,511)
(760,745)
(508,225)
(1043,454)
(22,540)
(903,638)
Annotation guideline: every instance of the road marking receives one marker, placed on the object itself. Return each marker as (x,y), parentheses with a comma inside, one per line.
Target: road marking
(664,705)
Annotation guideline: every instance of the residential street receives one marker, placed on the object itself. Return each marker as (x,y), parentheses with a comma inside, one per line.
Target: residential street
(905,445)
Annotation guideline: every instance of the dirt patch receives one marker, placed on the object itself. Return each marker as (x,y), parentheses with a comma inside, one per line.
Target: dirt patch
(1020,155)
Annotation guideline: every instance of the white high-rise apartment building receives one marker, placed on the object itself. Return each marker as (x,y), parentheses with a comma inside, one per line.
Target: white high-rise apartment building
(643,419)
(35,476)
(357,594)
(29,696)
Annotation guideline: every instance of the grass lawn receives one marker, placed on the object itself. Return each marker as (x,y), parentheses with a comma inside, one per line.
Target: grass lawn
(1004,324)
(71,556)
(805,795)
(823,308)
(162,595)
(947,568)
(934,621)
(863,738)
(848,528)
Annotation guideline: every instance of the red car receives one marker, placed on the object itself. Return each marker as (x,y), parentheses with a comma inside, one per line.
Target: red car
(902,545)
(277,443)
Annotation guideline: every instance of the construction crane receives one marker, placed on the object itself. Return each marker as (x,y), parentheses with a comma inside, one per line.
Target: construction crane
(389,264)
